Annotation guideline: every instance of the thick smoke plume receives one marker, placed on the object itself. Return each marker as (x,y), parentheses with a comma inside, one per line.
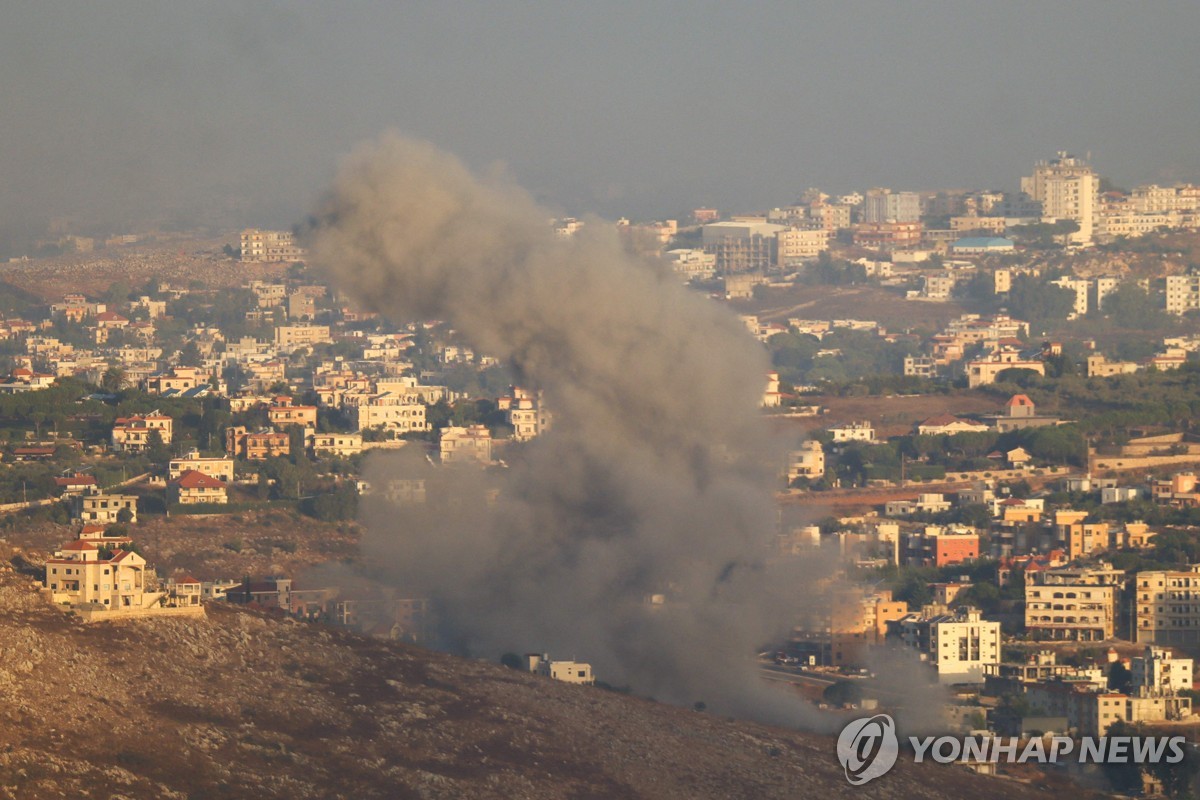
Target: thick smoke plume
(655,478)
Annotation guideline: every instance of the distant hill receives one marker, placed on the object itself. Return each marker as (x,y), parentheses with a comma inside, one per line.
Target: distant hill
(240,705)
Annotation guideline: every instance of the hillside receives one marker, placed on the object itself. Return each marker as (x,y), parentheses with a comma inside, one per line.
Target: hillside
(242,705)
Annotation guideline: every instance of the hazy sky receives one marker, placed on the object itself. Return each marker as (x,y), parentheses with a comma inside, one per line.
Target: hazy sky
(241,110)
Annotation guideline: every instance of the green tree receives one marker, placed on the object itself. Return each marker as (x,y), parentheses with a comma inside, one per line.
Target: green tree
(113,380)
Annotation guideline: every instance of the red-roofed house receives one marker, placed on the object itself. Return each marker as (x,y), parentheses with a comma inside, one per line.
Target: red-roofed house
(184,591)
(1019,405)
(79,574)
(111,319)
(195,487)
(74,484)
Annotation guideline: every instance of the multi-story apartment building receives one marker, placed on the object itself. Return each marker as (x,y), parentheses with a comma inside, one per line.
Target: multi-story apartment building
(749,246)
(1076,604)
(882,205)
(401,413)
(1183,293)
(938,546)
(1068,189)
(267,246)
(796,245)
(1167,607)
(1080,287)
(289,337)
(888,235)
(959,646)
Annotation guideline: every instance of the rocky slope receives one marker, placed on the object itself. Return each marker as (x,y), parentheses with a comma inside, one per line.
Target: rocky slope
(243,705)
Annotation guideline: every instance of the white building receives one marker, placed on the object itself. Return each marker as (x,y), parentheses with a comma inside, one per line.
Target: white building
(1068,189)
(1183,293)
(1080,287)
(959,646)
(807,462)
(1157,673)
(853,432)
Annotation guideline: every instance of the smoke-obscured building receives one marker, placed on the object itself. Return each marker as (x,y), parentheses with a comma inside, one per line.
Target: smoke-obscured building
(268,246)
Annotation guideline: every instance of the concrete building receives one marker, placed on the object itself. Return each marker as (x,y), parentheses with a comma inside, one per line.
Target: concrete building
(214,467)
(959,646)
(853,432)
(983,371)
(692,264)
(982,245)
(1167,607)
(920,367)
(888,235)
(341,445)
(1183,293)
(291,337)
(526,412)
(1067,188)
(257,445)
(808,462)
(399,413)
(566,671)
(269,246)
(883,205)
(1091,712)
(1080,286)
(283,412)
(1158,672)
(748,246)
(938,546)
(797,245)
(134,434)
(472,443)
(103,509)
(1079,605)
(193,488)
(1100,367)
(80,574)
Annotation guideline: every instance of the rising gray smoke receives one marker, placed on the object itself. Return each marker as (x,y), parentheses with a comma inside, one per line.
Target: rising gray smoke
(656,475)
